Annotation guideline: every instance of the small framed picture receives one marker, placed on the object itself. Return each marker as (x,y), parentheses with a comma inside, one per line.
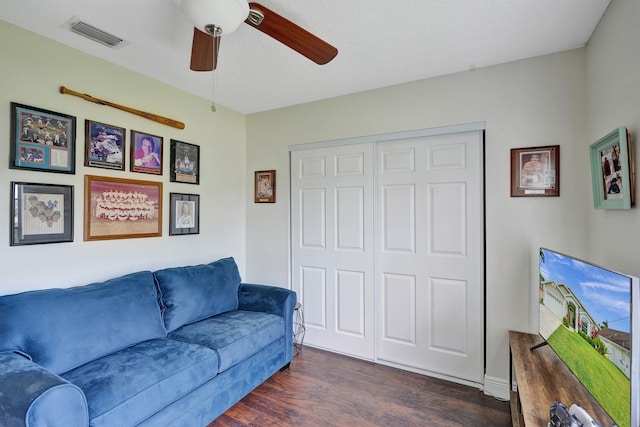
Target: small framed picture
(146,153)
(184,216)
(104,145)
(265,187)
(41,213)
(42,140)
(185,162)
(611,171)
(117,208)
(535,171)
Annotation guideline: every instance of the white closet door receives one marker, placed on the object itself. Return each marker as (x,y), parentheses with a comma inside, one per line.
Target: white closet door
(430,254)
(332,246)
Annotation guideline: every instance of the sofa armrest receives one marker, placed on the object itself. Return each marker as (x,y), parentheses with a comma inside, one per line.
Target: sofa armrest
(274,300)
(269,299)
(30,395)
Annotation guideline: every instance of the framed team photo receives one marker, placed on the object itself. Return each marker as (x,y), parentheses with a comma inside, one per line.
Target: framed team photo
(117,208)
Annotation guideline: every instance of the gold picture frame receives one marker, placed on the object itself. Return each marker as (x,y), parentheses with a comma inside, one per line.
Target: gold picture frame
(118,208)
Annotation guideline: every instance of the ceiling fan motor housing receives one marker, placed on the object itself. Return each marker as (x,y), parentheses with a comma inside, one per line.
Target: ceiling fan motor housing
(227,15)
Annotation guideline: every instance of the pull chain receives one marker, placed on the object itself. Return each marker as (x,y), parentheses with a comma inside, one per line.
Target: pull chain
(213,91)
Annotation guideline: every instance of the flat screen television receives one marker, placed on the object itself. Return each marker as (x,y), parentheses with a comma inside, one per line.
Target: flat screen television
(589,316)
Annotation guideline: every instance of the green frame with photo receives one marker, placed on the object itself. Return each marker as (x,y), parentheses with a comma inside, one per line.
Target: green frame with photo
(611,171)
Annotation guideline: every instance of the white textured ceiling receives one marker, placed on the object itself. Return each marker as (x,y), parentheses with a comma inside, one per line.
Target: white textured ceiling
(380,42)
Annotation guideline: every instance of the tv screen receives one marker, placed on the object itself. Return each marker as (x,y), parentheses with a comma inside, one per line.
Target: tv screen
(586,315)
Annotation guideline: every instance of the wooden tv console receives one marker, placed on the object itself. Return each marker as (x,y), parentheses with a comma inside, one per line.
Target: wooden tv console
(543,378)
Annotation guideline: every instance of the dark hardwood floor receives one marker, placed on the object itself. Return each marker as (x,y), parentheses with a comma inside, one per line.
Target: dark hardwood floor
(327,389)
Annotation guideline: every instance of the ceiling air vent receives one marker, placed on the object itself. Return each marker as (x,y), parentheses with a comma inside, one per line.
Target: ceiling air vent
(95,34)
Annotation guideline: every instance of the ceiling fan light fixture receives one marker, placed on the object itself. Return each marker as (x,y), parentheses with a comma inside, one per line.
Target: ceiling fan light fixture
(224,14)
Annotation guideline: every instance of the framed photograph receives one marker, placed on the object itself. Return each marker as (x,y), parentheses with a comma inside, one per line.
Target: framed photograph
(535,171)
(116,208)
(611,171)
(265,187)
(104,145)
(184,216)
(41,213)
(42,140)
(146,153)
(185,162)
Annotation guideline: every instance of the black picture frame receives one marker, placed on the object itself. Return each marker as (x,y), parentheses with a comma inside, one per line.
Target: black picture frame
(41,213)
(42,140)
(104,145)
(185,162)
(184,214)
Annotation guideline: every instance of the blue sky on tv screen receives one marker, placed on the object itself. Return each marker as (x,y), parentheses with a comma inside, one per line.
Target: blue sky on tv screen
(605,294)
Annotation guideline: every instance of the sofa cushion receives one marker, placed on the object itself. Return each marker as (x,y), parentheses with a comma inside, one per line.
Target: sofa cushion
(127,387)
(196,292)
(234,335)
(61,329)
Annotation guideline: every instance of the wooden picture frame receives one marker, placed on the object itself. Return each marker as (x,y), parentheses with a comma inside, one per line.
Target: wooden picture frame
(535,171)
(184,214)
(265,186)
(185,162)
(104,145)
(42,140)
(117,208)
(41,213)
(146,153)
(612,171)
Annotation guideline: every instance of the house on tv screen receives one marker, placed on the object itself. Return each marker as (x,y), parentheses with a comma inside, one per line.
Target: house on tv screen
(560,305)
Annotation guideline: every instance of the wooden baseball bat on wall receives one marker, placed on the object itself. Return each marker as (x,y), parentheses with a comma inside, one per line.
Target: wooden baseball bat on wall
(156,118)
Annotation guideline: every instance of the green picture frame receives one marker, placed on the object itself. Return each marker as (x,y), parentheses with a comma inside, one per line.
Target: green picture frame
(611,171)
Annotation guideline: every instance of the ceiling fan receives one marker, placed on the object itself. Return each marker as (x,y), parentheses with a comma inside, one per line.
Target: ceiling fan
(214,18)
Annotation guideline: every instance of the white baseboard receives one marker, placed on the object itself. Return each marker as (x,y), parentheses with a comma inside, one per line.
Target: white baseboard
(496,387)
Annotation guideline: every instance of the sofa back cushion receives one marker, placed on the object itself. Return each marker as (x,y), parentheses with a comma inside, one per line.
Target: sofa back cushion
(196,292)
(61,329)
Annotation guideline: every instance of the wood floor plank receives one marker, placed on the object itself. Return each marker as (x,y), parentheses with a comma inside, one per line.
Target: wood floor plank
(327,389)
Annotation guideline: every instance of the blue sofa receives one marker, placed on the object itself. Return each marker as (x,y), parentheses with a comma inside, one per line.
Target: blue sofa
(174,347)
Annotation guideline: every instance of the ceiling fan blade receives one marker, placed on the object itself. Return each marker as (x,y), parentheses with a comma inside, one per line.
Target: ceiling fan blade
(290,34)
(204,51)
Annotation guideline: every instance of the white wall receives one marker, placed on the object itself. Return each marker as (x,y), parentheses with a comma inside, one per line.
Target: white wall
(613,85)
(32,69)
(533,102)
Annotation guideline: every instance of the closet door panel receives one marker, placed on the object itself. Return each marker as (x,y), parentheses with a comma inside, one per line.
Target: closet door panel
(431,223)
(332,231)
